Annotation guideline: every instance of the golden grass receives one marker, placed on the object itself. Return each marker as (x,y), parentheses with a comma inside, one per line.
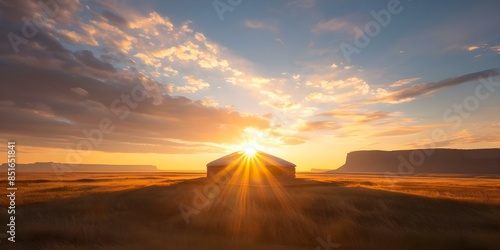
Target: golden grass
(481,190)
(130,211)
(42,187)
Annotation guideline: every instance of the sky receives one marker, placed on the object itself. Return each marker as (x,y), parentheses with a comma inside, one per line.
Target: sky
(177,84)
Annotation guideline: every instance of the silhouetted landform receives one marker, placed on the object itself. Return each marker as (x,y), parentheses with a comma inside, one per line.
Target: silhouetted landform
(318,170)
(62,167)
(423,161)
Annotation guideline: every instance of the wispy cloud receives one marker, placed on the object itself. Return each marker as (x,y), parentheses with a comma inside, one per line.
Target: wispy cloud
(471,48)
(495,48)
(193,85)
(342,90)
(403,131)
(403,82)
(320,125)
(416,90)
(72,37)
(334,24)
(360,116)
(260,25)
(320,97)
(301,3)
(279,41)
(115,19)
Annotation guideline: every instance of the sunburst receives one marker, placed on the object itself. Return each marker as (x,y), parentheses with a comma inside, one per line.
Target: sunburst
(250,151)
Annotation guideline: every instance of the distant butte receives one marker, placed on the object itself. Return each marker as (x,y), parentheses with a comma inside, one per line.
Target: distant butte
(423,161)
(62,167)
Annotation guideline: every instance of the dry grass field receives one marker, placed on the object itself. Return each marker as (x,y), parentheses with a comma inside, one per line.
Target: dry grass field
(143,211)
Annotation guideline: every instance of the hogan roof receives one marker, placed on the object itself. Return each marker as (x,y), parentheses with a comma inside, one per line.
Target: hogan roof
(238,156)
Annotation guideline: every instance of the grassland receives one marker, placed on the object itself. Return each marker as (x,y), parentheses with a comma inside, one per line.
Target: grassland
(141,211)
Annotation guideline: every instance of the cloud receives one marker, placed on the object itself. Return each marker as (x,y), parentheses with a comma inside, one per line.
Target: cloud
(352,122)
(320,98)
(285,105)
(70,93)
(360,116)
(147,59)
(64,12)
(194,85)
(179,47)
(320,125)
(151,23)
(275,98)
(334,24)
(120,49)
(115,19)
(260,25)
(340,91)
(484,136)
(80,91)
(112,36)
(301,3)
(180,54)
(60,117)
(270,91)
(209,101)
(402,131)
(471,48)
(73,37)
(171,70)
(88,58)
(416,90)
(338,84)
(403,82)
(271,137)
(495,48)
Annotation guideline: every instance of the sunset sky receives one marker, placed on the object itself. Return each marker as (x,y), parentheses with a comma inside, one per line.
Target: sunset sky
(177,84)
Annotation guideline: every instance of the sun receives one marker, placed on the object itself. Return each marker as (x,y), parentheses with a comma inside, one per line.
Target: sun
(250,151)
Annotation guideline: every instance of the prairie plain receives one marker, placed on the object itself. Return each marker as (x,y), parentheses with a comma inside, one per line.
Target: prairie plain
(188,211)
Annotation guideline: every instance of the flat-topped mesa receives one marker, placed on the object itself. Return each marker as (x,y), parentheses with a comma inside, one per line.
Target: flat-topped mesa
(422,161)
(58,167)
